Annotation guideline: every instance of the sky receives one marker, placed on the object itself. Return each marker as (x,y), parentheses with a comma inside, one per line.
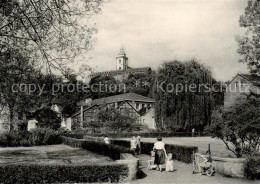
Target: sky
(155,31)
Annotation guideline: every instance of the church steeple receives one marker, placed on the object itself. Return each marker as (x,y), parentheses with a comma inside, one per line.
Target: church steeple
(122,52)
(121,60)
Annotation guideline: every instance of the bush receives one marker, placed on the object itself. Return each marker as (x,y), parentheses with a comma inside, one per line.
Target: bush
(182,153)
(252,168)
(48,118)
(32,173)
(36,137)
(45,136)
(110,150)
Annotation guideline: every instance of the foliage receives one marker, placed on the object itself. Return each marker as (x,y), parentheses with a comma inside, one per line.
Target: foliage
(39,136)
(112,151)
(140,83)
(112,121)
(183,95)
(100,87)
(182,153)
(43,173)
(249,44)
(44,136)
(252,168)
(239,126)
(48,118)
(52,32)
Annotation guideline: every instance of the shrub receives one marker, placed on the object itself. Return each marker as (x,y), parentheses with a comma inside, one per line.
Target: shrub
(39,136)
(48,118)
(32,173)
(182,153)
(110,150)
(252,168)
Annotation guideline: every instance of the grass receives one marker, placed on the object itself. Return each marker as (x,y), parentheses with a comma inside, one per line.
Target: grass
(53,154)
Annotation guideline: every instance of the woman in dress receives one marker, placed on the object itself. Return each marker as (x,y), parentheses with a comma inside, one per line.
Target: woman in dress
(160,153)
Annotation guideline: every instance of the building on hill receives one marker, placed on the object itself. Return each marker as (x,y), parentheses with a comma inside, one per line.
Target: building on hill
(123,70)
(240,86)
(138,107)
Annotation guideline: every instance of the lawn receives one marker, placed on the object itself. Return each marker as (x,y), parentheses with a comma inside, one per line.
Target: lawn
(53,154)
(218,148)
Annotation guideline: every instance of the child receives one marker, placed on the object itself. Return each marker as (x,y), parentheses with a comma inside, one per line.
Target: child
(151,162)
(169,163)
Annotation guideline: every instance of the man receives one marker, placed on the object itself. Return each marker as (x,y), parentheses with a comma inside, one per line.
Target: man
(133,145)
(207,162)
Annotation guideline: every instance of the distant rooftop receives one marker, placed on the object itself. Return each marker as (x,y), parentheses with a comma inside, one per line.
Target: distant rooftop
(120,98)
(255,79)
(114,72)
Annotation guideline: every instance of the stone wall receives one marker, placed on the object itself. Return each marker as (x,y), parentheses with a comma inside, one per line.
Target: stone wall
(232,167)
(132,163)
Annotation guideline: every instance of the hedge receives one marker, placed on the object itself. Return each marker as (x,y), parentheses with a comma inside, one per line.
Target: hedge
(148,134)
(32,173)
(110,150)
(180,152)
(252,168)
(76,136)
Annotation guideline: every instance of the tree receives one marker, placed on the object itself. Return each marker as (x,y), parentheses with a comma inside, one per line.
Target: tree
(140,83)
(53,33)
(47,118)
(15,70)
(113,121)
(249,44)
(183,95)
(238,127)
(104,86)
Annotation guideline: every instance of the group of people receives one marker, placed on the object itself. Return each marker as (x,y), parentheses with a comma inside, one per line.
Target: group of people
(160,157)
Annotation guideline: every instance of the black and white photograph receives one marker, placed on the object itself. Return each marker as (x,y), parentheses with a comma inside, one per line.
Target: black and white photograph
(130,91)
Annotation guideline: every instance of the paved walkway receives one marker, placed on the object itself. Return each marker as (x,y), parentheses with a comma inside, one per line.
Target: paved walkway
(182,175)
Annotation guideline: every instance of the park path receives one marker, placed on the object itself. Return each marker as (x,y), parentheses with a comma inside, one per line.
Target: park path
(182,175)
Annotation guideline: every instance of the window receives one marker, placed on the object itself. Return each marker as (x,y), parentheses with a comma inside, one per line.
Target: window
(143,105)
(137,105)
(119,68)
(119,61)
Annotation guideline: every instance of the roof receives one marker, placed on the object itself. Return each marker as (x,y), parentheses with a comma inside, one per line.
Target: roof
(255,79)
(129,70)
(120,98)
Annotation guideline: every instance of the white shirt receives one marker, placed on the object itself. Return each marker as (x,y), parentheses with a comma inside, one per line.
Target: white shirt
(159,145)
(133,144)
(106,140)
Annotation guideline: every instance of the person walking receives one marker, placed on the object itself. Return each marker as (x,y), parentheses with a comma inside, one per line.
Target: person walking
(160,153)
(138,138)
(133,145)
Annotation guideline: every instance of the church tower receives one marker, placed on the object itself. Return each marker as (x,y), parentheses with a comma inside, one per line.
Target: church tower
(121,60)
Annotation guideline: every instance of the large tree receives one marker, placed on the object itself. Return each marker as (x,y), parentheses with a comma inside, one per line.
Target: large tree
(249,43)
(238,127)
(183,95)
(52,32)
